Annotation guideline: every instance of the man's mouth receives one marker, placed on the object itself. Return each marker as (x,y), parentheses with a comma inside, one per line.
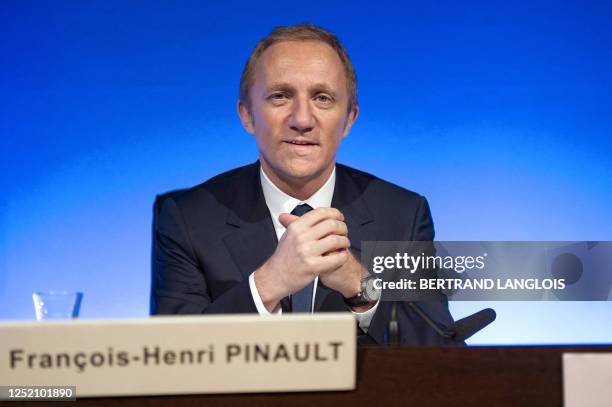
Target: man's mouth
(301,148)
(301,142)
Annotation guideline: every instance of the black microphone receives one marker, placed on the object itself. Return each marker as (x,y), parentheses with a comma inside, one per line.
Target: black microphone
(445,332)
(393,328)
(460,331)
(468,326)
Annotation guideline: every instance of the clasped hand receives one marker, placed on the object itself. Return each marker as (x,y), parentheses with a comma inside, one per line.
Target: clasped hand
(315,244)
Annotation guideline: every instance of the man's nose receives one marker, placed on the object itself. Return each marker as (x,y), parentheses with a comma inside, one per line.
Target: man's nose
(302,118)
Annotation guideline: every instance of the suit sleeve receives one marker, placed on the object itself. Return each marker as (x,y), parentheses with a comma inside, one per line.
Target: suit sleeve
(413,331)
(423,227)
(179,281)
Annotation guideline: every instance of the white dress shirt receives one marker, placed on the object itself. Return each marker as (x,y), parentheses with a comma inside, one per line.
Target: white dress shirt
(279,202)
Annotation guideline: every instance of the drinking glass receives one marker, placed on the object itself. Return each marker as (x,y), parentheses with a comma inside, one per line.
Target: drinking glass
(57,304)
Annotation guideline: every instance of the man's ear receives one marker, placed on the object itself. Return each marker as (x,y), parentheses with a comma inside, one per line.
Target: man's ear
(245,118)
(350,120)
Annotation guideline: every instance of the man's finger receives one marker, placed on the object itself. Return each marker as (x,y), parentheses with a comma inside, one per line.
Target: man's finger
(330,244)
(286,219)
(328,227)
(332,261)
(317,215)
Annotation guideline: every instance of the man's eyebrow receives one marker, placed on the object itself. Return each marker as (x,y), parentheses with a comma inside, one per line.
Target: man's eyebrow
(322,87)
(274,86)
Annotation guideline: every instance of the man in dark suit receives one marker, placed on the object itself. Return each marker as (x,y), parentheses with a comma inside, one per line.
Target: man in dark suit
(282,235)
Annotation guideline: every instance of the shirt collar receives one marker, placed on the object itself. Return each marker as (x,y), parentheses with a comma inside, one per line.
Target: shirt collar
(279,202)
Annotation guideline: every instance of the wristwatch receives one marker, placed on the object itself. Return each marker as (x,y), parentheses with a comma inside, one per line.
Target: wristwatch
(366,295)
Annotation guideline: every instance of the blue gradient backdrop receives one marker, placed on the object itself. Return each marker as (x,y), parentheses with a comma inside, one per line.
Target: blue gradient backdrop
(500,113)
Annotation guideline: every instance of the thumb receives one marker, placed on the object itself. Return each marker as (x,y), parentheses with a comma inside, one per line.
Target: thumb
(286,219)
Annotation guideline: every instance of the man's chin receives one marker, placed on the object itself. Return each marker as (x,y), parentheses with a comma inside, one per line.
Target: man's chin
(302,174)
(305,172)
(296,171)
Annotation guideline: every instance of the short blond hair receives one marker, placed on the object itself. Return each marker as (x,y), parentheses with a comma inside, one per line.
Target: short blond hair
(300,32)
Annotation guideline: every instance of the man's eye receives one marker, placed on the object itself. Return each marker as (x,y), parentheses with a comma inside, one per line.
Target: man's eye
(323,99)
(277,96)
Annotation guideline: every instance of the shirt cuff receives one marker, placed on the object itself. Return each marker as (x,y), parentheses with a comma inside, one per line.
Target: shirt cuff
(261,308)
(364,318)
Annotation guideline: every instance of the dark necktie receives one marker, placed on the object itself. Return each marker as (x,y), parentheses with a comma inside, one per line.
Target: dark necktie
(301,301)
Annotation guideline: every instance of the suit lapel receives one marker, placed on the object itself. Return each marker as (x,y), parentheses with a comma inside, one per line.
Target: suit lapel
(348,199)
(253,239)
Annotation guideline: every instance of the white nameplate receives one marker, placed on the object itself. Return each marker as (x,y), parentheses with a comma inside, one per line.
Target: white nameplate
(587,379)
(181,355)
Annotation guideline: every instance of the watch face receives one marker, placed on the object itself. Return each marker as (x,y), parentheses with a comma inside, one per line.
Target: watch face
(370,293)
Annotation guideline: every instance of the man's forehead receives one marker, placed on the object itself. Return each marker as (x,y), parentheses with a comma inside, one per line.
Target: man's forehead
(289,58)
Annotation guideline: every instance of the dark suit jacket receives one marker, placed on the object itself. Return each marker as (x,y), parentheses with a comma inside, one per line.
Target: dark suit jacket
(210,238)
